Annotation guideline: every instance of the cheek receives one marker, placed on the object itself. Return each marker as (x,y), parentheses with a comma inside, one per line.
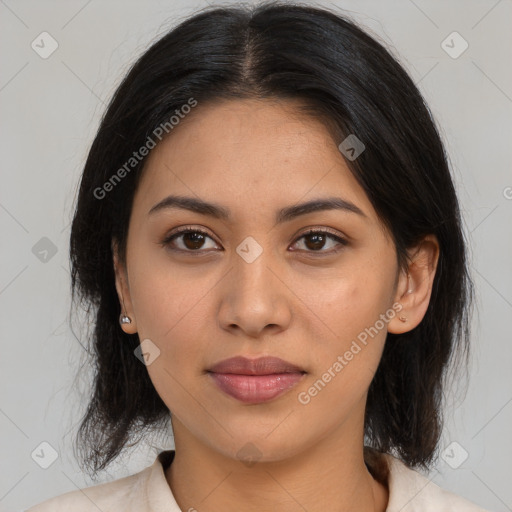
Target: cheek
(165,299)
(356,311)
(171,312)
(173,309)
(345,365)
(352,301)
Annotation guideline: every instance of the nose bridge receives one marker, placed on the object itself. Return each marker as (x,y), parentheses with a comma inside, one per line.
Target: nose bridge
(251,261)
(252,296)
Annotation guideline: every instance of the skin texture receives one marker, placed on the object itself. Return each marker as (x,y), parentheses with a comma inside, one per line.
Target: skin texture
(298,300)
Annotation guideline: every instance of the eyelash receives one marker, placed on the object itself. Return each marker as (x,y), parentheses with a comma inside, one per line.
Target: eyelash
(170,238)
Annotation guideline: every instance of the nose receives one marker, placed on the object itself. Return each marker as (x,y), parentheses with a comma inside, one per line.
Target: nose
(255,299)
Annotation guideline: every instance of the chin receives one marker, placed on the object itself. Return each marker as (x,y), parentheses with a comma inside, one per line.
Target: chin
(254,447)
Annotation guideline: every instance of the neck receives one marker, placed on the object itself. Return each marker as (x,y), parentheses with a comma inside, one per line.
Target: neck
(324,477)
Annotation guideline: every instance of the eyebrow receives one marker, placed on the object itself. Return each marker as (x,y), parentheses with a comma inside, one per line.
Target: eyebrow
(284,215)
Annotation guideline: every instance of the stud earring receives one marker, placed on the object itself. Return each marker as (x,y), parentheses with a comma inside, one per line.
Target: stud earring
(124,319)
(402,319)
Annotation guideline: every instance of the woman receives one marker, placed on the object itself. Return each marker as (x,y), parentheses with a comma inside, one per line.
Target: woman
(269,241)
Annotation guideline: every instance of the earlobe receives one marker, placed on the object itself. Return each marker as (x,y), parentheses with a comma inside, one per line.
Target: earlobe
(415,284)
(126,318)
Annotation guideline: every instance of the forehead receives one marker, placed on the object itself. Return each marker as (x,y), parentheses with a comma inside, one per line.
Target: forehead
(249,154)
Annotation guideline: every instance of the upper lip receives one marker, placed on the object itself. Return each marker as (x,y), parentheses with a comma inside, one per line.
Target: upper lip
(261,366)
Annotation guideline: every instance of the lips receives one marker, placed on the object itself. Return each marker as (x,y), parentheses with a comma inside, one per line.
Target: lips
(261,366)
(255,380)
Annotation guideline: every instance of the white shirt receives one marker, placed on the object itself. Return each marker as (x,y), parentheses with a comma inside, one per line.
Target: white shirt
(148,491)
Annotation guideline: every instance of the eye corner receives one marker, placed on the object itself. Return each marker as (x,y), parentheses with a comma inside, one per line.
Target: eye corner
(340,239)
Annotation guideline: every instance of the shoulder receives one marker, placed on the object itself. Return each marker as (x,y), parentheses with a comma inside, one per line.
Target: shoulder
(107,497)
(410,491)
(145,491)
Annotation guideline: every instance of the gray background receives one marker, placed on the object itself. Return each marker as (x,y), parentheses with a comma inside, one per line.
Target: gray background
(50,109)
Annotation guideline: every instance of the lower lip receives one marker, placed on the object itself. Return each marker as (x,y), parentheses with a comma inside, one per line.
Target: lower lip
(255,389)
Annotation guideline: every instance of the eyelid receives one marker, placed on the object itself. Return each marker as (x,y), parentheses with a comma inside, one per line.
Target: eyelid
(185,229)
(339,238)
(323,229)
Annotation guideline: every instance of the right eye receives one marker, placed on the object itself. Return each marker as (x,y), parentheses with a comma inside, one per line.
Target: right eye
(187,240)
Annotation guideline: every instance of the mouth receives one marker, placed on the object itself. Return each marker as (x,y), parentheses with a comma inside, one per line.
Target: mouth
(254,381)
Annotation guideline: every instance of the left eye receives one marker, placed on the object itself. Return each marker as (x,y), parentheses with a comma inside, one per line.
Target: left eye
(192,240)
(317,239)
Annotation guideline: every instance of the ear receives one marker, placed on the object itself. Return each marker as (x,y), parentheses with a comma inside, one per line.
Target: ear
(414,286)
(123,290)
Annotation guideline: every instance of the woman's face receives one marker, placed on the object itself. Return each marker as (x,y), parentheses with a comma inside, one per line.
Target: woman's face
(256,284)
